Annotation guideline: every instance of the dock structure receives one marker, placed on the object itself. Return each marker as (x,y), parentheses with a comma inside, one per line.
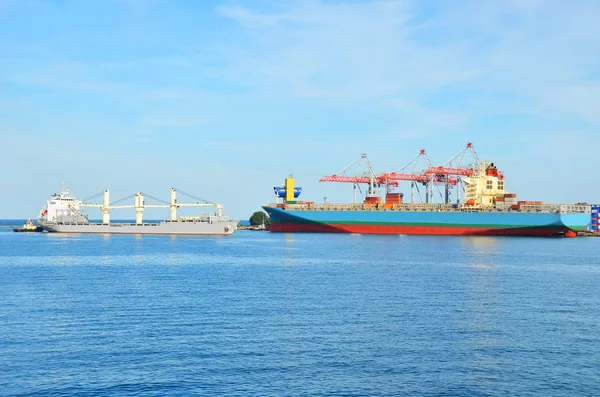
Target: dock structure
(588,234)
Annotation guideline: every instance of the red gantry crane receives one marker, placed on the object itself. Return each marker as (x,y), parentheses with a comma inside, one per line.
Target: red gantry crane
(369,178)
(449,174)
(408,173)
(453,170)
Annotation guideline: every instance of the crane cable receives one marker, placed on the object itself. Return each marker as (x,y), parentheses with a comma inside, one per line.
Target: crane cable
(92,197)
(156,199)
(121,200)
(194,197)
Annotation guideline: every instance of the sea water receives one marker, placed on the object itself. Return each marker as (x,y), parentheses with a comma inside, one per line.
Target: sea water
(261,313)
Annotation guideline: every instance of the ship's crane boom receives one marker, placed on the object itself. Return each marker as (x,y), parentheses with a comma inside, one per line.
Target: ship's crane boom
(345,178)
(139,205)
(369,177)
(342,176)
(393,176)
(449,171)
(454,165)
(406,172)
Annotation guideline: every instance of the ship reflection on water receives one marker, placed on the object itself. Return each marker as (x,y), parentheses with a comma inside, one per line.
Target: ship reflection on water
(289,257)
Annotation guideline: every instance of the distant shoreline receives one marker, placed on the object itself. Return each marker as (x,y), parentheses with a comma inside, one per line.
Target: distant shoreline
(240,227)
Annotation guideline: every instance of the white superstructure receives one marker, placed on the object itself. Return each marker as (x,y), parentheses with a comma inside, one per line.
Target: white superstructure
(484,186)
(61,208)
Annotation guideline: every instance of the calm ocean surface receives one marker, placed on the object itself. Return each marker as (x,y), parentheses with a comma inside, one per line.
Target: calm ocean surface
(259,314)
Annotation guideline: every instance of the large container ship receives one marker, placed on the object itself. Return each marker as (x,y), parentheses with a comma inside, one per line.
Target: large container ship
(486,208)
(63,214)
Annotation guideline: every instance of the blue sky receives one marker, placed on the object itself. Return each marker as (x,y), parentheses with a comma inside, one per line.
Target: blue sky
(224,99)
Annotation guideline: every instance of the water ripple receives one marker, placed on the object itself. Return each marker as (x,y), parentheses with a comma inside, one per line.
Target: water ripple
(281,314)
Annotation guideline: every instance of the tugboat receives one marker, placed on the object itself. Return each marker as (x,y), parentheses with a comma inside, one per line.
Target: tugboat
(29,226)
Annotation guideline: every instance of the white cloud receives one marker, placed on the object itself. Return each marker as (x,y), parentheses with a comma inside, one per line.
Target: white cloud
(539,53)
(310,85)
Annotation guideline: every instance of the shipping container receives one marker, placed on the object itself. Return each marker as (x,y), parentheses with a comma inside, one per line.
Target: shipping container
(530,202)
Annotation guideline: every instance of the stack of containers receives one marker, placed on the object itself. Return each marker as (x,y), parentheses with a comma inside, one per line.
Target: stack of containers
(392,199)
(595,208)
(500,201)
(510,200)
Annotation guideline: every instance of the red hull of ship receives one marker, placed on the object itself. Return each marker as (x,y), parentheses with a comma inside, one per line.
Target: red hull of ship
(425,230)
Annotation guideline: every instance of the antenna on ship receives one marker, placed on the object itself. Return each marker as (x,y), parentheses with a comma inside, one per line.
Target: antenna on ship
(63,190)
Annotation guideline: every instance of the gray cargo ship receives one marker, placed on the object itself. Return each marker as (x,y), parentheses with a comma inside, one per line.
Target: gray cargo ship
(63,214)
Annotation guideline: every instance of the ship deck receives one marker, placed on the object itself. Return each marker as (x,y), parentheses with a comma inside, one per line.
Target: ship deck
(424,207)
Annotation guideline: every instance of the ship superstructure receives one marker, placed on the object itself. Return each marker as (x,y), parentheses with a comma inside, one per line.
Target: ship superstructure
(63,214)
(482,206)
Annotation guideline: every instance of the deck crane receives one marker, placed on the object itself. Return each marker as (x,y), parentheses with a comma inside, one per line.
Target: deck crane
(454,168)
(139,204)
(408,173)
(369,177)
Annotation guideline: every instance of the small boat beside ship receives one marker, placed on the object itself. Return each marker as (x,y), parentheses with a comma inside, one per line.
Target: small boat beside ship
(28,227)
(63,214)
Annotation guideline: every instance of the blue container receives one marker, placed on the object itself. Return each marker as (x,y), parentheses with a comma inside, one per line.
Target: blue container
(280,191)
